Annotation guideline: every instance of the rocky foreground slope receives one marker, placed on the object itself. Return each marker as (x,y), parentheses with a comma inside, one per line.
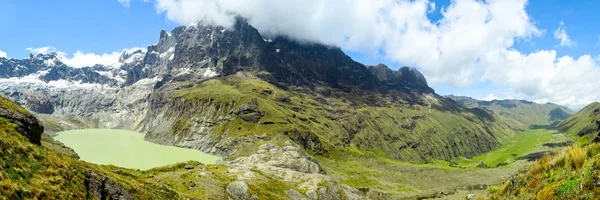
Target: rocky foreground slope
(519,114)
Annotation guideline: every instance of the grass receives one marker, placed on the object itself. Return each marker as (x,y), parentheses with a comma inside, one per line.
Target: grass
(6,104)
(583,125)
(325,119)
(401,179)
(522,144)
(570,174)
(29,171)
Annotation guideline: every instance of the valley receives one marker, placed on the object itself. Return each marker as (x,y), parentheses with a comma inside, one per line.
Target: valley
(213,112)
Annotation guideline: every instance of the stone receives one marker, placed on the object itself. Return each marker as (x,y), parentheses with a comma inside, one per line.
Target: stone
(596,183)
(103,188)
(471,196)
(262,137)
(188,167)
(312,194)
(238,190)
(295,195)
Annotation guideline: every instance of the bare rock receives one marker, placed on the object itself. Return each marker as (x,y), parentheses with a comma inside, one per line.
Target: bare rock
(188,167)
(238,190)
(103,188)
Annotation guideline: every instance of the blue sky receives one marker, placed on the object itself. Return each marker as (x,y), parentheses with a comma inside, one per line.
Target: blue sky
(104,26)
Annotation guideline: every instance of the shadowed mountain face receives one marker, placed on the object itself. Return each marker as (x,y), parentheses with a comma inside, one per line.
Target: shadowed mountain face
(519,114)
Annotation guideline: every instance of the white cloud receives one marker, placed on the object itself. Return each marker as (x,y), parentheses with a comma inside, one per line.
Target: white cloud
(125,3)
(561,35)
(3,54)
(41,50)
(471,43)
(82,59)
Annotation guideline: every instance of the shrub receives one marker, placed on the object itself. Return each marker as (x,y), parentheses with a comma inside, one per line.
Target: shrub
(540,165)
(577,156)
(593,149)
(565,188)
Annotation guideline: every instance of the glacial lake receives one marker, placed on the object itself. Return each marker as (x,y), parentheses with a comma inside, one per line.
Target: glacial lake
(127,149)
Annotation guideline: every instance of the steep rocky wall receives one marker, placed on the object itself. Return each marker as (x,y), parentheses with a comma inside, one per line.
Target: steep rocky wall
(99,107)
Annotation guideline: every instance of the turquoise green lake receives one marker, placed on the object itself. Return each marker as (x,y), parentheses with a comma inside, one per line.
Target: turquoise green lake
(127,149)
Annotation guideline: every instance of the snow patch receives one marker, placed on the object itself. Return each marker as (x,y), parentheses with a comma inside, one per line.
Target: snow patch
(183,71)
(111,75)
(60,84)
(147,81)
(134,58)
(50,62)
(209,73)
(34,79)
(168,52)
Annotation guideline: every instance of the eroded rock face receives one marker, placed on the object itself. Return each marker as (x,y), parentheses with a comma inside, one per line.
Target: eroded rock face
(101,187)
(293,166)
(249,112)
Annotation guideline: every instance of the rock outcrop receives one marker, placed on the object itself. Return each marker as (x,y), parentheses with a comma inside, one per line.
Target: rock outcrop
(25,122)
(101,187)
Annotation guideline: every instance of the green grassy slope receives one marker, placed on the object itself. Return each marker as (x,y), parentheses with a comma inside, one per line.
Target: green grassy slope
(29,171)
(583,125)
(522,144)
(520,114)
(413,128)
(572,174)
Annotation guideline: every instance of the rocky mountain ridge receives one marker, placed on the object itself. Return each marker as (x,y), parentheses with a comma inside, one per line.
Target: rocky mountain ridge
(157,91)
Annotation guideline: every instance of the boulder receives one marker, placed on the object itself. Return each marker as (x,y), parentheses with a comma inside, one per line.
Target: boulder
(239,190)
(103,188)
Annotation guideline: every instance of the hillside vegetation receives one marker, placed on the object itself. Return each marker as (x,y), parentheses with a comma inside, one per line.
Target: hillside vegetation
(408,127)
(583,125)
(31,171)
(520,114)
(570,174)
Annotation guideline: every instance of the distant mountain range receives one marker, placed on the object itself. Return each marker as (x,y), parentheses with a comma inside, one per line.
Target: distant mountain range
(519,114)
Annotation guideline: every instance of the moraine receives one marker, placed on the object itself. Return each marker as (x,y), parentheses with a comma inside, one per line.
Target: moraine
(126,149)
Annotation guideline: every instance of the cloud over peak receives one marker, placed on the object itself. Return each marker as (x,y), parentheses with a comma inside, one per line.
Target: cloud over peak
(80,58)
(468,42)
